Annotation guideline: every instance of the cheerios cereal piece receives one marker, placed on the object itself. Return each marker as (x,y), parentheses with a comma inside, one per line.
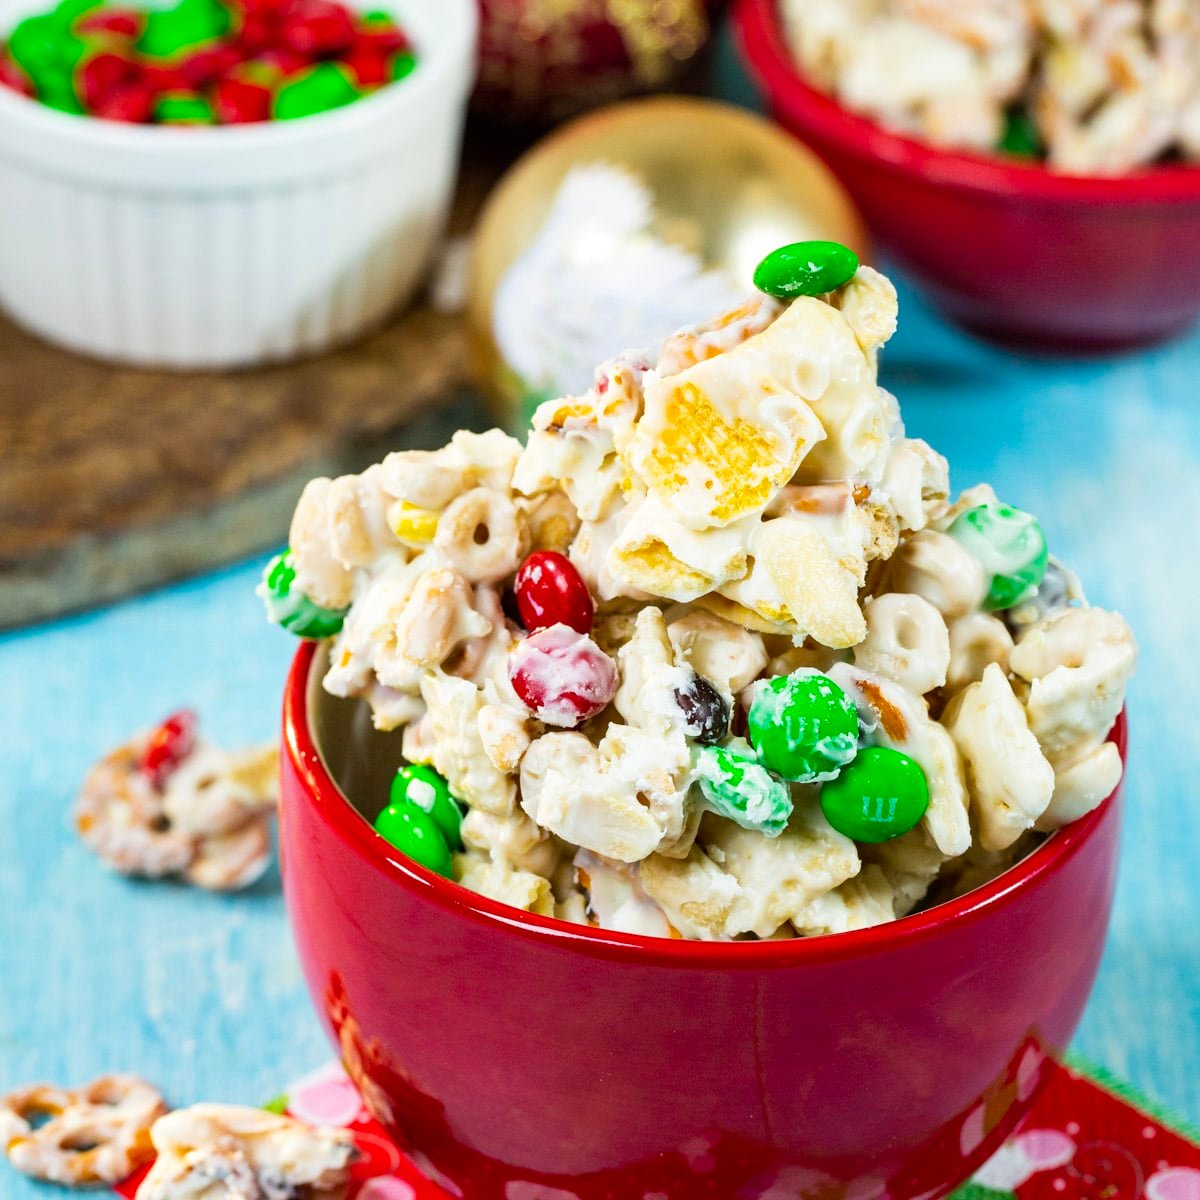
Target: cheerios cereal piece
(483,534)
(906,640)
(553,523)
(1081,782)
(937,568)
(1077,662)
(976,640)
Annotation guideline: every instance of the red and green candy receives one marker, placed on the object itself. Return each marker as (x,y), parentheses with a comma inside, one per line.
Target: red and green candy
(203,62)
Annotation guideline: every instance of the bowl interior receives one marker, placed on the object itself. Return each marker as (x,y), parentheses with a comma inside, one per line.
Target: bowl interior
(360,762)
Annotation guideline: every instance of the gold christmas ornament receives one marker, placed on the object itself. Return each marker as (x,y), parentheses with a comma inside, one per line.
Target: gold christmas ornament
(670,202)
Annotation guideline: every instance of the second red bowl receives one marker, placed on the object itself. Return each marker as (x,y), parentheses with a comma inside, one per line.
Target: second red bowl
(1008,249)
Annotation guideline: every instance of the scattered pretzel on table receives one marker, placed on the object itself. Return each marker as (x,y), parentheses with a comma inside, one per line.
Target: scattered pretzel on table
(169,804)
(80,1137)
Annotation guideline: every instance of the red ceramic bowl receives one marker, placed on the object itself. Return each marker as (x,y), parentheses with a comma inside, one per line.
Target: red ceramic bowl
(518,1057)
(1008,249)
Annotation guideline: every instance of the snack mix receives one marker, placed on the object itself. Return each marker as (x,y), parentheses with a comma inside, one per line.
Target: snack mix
(1095,87)
(713,655)
(168,804)
(203,62)
(104,1132)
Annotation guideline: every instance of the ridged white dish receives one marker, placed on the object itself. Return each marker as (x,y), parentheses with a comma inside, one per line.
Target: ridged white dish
(239,245)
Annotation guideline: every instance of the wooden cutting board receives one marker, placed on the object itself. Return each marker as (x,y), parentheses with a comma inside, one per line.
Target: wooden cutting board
(113,480)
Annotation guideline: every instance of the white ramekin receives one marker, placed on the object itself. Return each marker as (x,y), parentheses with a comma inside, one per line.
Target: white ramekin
(180,247)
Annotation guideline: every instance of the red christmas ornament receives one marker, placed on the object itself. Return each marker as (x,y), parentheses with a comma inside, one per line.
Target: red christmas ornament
(545,59)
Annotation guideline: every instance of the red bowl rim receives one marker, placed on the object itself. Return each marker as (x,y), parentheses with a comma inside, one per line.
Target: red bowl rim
(356,832)
(771,64)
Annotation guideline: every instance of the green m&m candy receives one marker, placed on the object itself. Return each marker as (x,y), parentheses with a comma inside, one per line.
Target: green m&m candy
(67,12)
(402,65)
(736,786)
(879,796)
(1011,547)
(35,45)
(415,833)
(184,108)
(291,608)
(63,100)
(327,85)
(803,726)
(1020,137)
(805,269)
(421,785)
(48,53)
(170,31)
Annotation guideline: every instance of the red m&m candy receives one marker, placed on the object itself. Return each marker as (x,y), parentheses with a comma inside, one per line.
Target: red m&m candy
(240,101)
(562,676)
(115,22)
(202,67)
(132,104)
(550,591)
(168,746)
(11,76)
(103,75)
(369,66)
(318,28)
